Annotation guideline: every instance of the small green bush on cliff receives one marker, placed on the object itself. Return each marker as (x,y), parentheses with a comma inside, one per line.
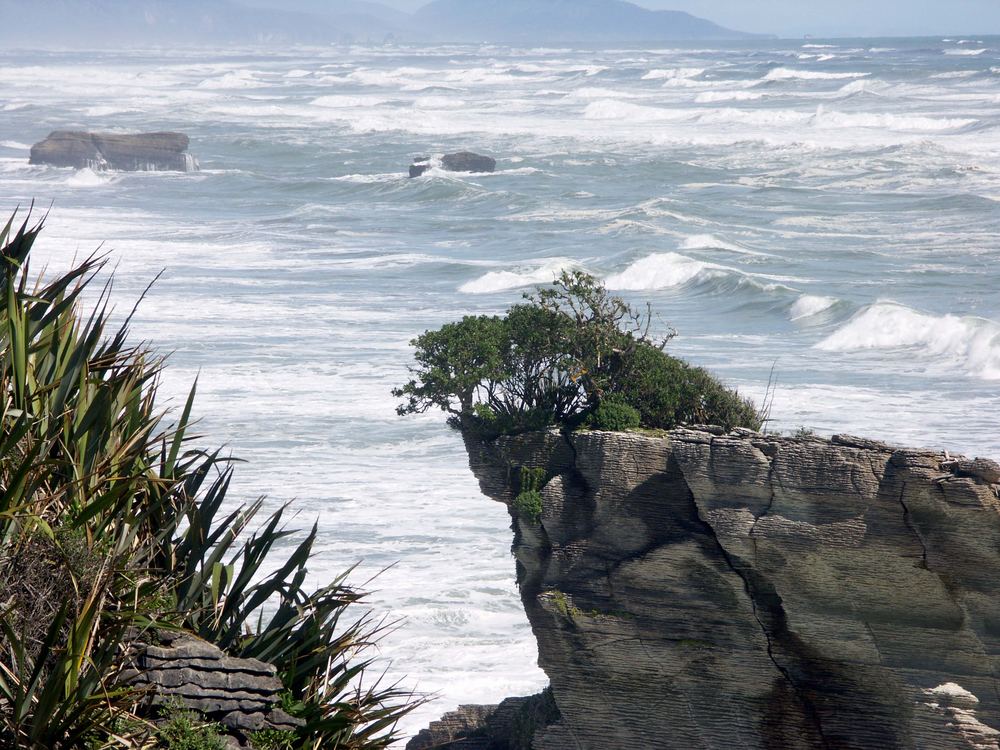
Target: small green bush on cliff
(615,414)
(571,353)
(112,524)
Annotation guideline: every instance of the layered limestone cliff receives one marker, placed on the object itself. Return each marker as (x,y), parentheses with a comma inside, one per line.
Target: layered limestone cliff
(700,590)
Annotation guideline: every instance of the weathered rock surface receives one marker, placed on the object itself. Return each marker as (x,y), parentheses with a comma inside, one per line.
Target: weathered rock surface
(509,726)
(463,161)
(694,590)
(241,694)
(138,152)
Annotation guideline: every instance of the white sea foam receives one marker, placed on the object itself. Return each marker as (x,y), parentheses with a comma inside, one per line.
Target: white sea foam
(711,242)
(660,74)
(788,74)
(369,179)
(760,117)
(708,97)
(500,281)
(819,46)
(87,178)
(810,304)
(664,271)
(336,101)
(965,52)
(609,109)
(237,79)
(888,121)
(861,86)
(15,145)
(953,74)
(972,344)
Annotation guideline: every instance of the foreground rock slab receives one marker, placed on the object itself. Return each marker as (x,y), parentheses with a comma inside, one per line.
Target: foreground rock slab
(693,590)
(510,726)
(462,161)
(138,152)
(243,695)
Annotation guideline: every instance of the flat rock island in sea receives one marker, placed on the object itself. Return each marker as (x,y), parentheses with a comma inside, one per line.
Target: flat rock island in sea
(694,589)
(132,152)
(462,161)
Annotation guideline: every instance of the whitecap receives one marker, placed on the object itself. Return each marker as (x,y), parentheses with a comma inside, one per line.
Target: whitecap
(87,178)
(608,109)
(953,74)
(15,145)
(965,52)
(711,242)
(368,179)
(970,343)
(660,74)
(787,74)
(498,281)
(887,121)
(237,79)
(810,304)
(336,101)
(664,271)
(708,97)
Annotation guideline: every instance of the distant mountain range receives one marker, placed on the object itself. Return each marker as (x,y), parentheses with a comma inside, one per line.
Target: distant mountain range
(105,23)
(561,21)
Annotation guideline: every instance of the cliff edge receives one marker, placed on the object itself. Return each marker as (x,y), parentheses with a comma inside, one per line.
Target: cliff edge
(699,590)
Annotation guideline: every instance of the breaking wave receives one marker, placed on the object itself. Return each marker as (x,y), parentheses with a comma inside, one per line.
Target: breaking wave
(970,343)
(788,74)
(499,281)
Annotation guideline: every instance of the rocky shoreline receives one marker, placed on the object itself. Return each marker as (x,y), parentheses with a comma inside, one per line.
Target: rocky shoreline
(692,589)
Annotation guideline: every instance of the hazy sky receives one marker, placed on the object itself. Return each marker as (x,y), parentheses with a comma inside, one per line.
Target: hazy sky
(833,17)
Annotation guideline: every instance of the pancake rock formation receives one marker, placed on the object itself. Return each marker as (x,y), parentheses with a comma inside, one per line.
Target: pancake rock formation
(693,590)
(136,152)
(462,161)
(242,695)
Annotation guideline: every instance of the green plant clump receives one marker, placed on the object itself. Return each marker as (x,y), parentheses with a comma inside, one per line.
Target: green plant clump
(555,359)
(112,525)
(272,739)
(529,504)
(614,414)
(186,730)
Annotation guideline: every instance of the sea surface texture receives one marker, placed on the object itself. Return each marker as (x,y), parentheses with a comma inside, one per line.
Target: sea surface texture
(826,211)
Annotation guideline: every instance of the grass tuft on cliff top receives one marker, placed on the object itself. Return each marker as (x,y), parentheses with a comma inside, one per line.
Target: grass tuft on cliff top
(112,523)
(570,355)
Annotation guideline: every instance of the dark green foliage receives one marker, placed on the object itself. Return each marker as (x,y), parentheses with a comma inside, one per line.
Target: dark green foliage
(272,739)
(528,502)
(614,414)
(667,392)
(571,354)
(186,730)
(112,524)
(531,478)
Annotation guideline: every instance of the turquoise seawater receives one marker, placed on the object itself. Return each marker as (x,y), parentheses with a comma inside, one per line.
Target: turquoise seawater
(828,209)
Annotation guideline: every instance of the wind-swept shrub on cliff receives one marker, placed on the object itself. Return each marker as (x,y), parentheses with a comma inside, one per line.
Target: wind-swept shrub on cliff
(571,353)
(112,526)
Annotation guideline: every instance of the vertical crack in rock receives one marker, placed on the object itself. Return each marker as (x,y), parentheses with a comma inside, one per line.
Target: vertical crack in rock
(908,521)
(775,611)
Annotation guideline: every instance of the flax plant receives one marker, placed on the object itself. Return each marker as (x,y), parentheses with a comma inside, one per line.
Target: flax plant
(113,525)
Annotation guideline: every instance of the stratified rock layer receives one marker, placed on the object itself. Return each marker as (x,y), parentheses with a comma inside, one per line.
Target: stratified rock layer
(138,152)
(695,590)
(243,695)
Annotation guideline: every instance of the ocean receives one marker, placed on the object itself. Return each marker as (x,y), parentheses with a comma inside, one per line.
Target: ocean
(826,211)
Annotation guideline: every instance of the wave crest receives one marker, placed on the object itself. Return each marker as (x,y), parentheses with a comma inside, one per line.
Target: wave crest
(500,281)
(972,344)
